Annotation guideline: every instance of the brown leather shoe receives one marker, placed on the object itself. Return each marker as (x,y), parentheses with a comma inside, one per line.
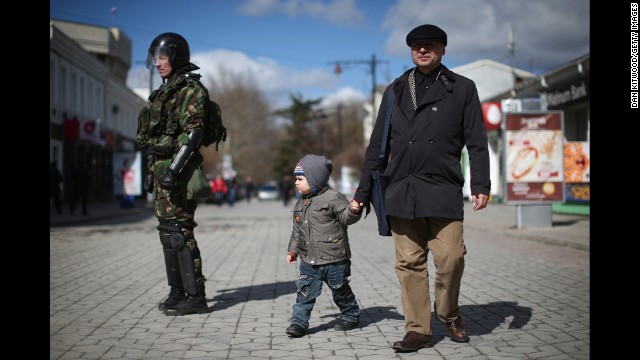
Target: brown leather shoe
(458,331)
(412,342)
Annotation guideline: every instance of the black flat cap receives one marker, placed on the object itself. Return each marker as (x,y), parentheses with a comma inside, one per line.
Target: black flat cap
(427,32)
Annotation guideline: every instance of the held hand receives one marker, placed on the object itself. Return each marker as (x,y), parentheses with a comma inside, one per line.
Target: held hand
(355,206)
(148,183)
(292,258)
(479,201)
(169,180)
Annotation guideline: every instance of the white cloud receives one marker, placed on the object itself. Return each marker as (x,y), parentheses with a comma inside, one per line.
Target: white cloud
(276,82)
(266,73)
(548,33)
(343,95)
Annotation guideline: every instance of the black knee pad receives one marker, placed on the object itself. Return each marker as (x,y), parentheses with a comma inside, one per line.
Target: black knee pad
(177,241)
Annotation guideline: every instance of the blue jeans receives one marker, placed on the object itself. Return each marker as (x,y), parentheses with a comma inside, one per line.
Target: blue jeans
(309,287)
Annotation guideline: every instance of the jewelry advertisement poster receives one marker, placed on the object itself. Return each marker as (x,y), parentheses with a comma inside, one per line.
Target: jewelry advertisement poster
(534,157)
(577,171)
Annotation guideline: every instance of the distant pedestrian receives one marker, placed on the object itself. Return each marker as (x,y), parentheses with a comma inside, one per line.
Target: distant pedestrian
(249,188)
(55,178)
(81,177)
(219,190)
(320,238)
(286,189)
(232,191)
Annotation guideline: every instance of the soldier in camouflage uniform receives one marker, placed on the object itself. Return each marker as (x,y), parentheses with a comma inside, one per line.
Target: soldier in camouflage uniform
(170,132)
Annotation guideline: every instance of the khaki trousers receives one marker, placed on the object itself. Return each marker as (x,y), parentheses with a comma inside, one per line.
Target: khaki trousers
(413,239)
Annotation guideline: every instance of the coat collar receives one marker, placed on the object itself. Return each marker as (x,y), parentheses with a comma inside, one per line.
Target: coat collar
(441,88)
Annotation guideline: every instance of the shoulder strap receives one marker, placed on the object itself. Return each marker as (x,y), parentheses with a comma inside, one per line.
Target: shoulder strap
(387,124)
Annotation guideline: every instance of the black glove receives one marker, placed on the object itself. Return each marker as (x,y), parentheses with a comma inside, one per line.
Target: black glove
(148,183)
(149,151)
(169,180)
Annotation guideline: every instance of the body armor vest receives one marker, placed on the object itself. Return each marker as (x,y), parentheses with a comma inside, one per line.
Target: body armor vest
(158,123)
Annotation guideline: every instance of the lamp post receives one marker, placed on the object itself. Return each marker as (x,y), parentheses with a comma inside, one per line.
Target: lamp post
(372,63)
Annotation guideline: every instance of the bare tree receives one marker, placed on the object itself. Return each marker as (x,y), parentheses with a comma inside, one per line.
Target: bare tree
(265,150)
(245,112)
(341,131)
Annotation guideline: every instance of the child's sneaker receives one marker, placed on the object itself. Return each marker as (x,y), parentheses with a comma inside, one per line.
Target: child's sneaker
(344,325)
(295,330)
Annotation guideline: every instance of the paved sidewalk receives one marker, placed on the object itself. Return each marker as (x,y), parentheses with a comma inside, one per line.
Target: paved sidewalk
(525,292)
(566,230)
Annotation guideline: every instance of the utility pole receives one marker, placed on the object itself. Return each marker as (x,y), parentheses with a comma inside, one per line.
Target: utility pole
(372,64)
(511,46)
(340,140)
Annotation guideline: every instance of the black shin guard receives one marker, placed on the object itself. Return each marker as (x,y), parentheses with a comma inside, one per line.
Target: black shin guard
(171,261)
(188,257)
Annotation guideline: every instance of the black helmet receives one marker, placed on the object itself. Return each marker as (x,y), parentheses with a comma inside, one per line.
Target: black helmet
(171,44)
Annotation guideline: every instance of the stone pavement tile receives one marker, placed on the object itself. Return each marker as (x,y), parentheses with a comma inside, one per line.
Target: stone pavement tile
(114,354)
(72,355)
(544,351)
(251,297)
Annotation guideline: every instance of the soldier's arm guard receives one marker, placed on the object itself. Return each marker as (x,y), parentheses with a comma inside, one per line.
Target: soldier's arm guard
(188,152)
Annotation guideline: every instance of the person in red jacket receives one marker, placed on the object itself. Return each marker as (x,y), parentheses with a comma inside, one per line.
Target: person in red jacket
(434,115)
(219,190)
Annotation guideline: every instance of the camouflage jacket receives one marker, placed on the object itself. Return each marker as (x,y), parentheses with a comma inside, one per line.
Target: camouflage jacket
(176,108)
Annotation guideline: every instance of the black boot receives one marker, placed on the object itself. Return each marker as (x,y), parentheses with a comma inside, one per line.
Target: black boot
(191,304)
(175,296)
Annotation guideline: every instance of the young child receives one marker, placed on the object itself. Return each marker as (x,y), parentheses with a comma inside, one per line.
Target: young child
(319,237)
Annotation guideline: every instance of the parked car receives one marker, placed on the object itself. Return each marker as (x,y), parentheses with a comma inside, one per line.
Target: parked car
(268,192)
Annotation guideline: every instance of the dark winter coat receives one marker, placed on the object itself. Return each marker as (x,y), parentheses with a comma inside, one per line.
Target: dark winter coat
(424,170)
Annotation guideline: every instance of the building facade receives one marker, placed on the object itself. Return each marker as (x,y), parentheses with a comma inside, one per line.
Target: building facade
(565,88)
(92,112)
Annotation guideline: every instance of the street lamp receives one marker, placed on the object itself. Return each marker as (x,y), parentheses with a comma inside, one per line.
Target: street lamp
(372,63)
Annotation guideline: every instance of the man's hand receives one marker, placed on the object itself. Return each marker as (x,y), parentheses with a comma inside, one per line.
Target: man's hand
(291,257)
(356,207)
(169,180)
(479,201)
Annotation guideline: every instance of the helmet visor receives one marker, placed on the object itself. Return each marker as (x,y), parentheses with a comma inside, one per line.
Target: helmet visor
(161,52)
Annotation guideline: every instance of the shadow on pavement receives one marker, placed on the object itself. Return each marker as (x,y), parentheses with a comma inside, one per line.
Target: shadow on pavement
(234,296)
(486,318)
(492,315)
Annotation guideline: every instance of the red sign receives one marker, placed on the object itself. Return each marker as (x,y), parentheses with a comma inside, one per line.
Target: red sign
(492,115)
(89,127)
(71,129)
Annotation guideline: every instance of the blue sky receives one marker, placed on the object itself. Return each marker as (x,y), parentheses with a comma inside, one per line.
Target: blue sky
(291,46)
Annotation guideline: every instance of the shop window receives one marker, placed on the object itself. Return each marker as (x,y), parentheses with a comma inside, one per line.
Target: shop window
(576,123)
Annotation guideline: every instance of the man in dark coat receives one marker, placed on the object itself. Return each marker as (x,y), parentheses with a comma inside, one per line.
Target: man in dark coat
(434,115)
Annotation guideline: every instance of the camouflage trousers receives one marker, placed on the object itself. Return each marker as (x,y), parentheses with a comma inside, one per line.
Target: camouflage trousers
(172,206)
